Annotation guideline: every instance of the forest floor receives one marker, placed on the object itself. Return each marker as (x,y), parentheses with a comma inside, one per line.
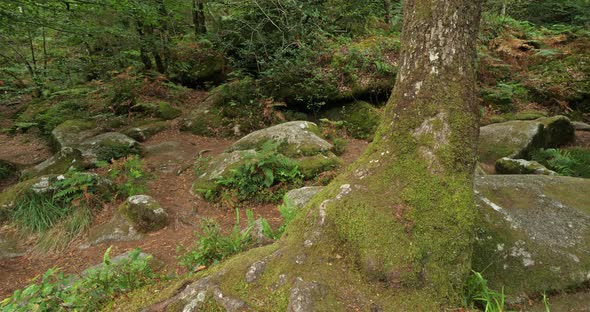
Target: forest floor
(167,186)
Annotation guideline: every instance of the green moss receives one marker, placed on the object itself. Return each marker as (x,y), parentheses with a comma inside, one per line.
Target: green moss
(167,112)
(558,131)
(7,170)
(360,119)
(113,149)
(311,166)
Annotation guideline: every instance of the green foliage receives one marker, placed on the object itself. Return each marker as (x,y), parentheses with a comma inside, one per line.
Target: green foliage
(339,145)
(503,97)
(260,172)
(212,246)
(7,170)
(477,294)
(58,292)
(574,162)
(37,213)
(128,175)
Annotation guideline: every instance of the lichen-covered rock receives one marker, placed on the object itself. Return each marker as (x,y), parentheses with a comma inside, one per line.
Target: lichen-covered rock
(72,132)
(59,163)
(145,131)
(513,139)
(507,165)
(360,118)
(107,146)
(219,166)
(295,139)
(533,233)
(204,119)
(301,196)
(557,131)
(581,126)
(144,213)
(117,229)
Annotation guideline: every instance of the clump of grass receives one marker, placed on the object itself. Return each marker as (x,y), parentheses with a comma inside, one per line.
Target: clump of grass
(478,295)
(574,162)
(212,245)
(37,213)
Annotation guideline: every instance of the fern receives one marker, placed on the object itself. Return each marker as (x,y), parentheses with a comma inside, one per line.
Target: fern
(574,162)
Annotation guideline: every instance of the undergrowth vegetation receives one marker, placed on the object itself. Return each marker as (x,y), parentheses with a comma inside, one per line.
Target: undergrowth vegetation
(572,162)
(264,176)
(56,291)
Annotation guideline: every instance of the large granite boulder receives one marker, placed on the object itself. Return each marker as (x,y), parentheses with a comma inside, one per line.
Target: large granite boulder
(295,139)
(513,139)
(70,133)
(518,138)
(107,146)
(144,131)
(64,160)
(533,233)
(144,213)
(118,229)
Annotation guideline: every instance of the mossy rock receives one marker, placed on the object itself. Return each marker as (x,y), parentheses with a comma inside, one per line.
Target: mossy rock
(218,167)
(107,146)
(513,139)
(64,160)
(144,213)
(118,229)
(167,112)
(205,119)
(360,118)
(557,131)
(301,196)
(533,233)
(72,132)
(507,165)
(312,166)
(8,170)
(295,139)
(145,130)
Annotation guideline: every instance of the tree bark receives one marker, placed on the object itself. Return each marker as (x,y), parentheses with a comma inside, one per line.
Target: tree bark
(395,231)
(199,17)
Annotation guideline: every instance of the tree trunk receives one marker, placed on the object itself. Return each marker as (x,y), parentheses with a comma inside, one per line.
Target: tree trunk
(395,231)
(199,17)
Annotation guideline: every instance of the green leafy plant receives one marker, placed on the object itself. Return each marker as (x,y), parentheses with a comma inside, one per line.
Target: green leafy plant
(38,213)
(478,295)
(288,212)
(260,172)
(574,162)
(58,292)
(212,246)
(128,175)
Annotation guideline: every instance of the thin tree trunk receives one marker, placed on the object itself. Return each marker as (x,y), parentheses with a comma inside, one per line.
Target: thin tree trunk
(388,13)
(44,50)
(199,17)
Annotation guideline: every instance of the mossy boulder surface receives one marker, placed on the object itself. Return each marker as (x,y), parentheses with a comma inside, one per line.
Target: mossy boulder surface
(533,234)
(204,119)
(144,213)
(59,163)
(301,196)
(507,165)
(145,130)
(360,118)
(295,139)
(557,131)
(218,167)
(107,146)
(72,132)
(118,229)
(513,139)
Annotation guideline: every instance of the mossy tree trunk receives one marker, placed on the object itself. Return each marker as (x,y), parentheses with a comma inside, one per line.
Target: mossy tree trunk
(395,231)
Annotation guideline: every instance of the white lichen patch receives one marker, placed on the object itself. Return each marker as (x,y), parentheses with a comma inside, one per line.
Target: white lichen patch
(518,251)
(140,199)
(436,131)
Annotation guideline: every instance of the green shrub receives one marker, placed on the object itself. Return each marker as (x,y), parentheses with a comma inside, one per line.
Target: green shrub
(260,172)
(212,246)
(503,97)
(574,162)
(58,292)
